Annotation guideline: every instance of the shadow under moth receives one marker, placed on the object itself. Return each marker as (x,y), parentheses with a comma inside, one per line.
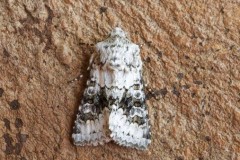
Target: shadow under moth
(113,105)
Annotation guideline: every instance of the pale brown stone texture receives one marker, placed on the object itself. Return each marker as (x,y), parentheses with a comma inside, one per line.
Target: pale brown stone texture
(191,54)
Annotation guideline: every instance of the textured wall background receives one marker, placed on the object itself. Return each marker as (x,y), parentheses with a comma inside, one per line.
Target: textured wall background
(191,53)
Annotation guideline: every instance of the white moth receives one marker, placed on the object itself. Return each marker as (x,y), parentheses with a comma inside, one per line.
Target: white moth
(113,105)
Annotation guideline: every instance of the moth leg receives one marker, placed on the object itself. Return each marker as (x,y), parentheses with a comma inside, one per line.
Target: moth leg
(129,122)
(91,124)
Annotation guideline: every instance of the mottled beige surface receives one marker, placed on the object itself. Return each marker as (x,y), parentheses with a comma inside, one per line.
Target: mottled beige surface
(191,53)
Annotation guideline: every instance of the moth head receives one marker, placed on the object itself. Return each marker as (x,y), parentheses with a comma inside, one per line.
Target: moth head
(118,32)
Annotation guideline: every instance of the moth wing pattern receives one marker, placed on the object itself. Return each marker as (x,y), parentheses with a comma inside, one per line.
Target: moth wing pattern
(113,106)
(91,124)
(129,121)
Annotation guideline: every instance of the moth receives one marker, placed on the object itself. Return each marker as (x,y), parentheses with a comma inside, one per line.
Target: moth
(113,105)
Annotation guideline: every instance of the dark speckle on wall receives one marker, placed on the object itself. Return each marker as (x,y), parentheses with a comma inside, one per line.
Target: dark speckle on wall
(1,92)
(14,105)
